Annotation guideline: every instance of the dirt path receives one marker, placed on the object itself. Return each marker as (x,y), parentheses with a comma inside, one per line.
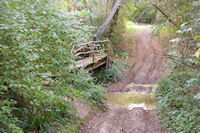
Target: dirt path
(137,119)
(149,64)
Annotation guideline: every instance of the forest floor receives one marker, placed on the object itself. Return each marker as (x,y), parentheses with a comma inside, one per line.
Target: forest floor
(131,102)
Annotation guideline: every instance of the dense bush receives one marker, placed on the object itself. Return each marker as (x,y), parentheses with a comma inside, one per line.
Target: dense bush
(179,102)
(113,74)
(179,92)
(140,12)
(36,37)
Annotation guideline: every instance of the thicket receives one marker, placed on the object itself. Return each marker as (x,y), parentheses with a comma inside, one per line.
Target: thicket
(36,37)
(179,91)
(140,11)
(113,74)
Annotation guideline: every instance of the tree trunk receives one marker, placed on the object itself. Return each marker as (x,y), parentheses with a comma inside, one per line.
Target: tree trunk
(109,19)
(114,22)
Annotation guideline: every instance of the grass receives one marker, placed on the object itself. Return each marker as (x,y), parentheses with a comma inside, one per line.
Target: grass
(134,27)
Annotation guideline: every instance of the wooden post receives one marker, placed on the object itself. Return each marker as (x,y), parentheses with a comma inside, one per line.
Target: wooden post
(92,48)
(108,55)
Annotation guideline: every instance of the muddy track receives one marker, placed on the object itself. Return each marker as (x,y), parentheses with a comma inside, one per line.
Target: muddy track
(149,67)
(147,70)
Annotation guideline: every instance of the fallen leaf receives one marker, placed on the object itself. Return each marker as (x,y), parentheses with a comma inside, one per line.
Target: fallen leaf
(197,53)
(198,36)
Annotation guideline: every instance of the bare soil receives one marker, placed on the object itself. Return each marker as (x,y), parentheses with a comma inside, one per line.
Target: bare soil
(148,69)
(149,59)
(121,120)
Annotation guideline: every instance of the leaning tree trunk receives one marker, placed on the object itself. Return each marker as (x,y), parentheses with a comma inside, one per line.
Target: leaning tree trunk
(109,19)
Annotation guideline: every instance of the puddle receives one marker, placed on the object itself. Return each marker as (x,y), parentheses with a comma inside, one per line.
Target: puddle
(132,100)
(142,85)
(152,86)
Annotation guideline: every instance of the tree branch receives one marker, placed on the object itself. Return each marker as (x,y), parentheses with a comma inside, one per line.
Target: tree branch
(166,16)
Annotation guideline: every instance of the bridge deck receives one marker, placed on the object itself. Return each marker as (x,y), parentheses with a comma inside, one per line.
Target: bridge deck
(86,62)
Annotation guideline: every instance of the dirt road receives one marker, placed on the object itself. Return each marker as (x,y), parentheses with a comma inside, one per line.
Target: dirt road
(149,67)
(147,70)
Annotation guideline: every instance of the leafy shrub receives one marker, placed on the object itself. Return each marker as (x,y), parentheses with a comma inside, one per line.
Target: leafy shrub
(35,38)
(99,18)
(140,12)
(179,102)
(178,94)
(115,73)
(116,35)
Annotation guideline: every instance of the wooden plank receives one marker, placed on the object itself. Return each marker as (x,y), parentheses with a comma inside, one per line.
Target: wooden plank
(88,52)
(88,61)
(96,66)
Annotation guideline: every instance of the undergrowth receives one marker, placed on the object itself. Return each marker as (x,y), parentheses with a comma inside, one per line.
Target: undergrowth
(113,74)
(116,35)
(179,91)
(35,43)
(179,101)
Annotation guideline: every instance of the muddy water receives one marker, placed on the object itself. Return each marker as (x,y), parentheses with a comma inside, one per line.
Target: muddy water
(131,100)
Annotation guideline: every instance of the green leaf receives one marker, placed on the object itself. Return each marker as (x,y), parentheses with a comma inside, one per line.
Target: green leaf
(85,2)
(95,2)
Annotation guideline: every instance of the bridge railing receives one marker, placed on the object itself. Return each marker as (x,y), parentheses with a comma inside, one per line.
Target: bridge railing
(92,48)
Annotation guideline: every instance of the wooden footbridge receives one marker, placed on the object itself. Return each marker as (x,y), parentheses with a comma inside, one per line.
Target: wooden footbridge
(92,55)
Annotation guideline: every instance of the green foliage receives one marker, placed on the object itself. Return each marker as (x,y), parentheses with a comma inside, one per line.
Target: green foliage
(35,44)
(99,18)
(114,74)
(8,121)
(178,94)
(116,34)
(140,12)
(179,102)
